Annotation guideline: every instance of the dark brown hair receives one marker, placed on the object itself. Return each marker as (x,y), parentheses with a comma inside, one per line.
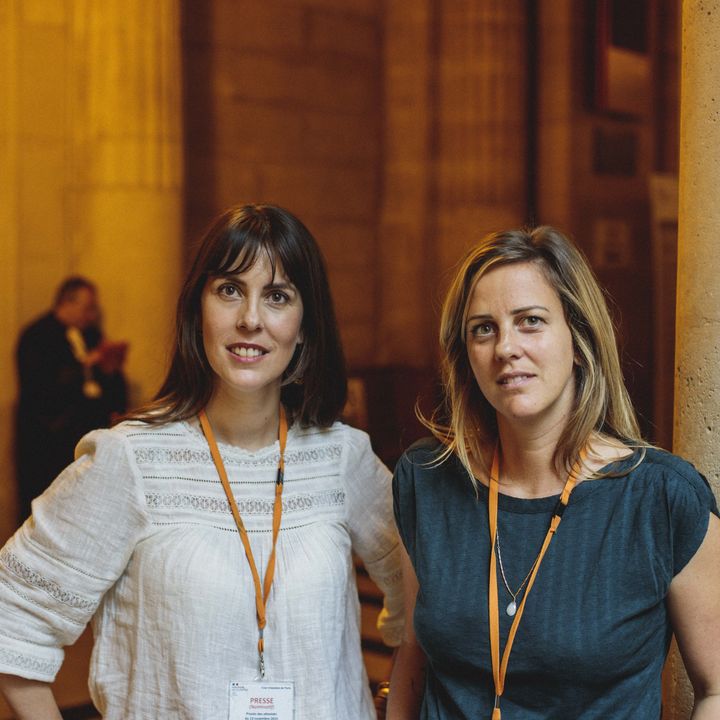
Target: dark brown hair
(69,287)
(314,384)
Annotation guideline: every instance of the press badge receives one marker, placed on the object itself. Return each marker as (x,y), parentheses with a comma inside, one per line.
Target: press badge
(261,700)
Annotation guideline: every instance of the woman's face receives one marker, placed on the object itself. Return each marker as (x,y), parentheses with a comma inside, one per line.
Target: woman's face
(251,324)
(520,346)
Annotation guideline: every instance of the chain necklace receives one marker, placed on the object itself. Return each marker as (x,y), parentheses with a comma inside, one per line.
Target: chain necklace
(511,609)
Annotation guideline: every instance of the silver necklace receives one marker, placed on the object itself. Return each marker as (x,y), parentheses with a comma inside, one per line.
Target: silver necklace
(511,609)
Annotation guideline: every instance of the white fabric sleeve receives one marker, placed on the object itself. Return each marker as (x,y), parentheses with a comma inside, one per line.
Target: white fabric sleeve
(368,488)
(56,568)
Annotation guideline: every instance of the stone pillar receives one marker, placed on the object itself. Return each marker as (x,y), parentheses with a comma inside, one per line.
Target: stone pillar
(697,354)
(126,176)
(9,248)
(455,153)
(90,161)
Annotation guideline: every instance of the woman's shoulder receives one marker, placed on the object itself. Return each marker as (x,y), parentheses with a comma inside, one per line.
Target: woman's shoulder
(648,460)
(135,430)
(339,433)
(671,466)
(427,461)
(130,435)
(665,461)
(610,456)
(426,478)
(675,477)
(427,449)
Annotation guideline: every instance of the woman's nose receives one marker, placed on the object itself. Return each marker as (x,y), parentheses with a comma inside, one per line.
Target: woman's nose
(507,345)
(249,316)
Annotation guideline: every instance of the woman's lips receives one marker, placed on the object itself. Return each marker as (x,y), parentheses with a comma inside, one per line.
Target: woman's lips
(514,379)
(246,351)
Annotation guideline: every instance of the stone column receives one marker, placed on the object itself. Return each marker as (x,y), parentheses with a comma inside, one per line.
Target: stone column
(127,169)
(90,161)
(697,354)
(9,249)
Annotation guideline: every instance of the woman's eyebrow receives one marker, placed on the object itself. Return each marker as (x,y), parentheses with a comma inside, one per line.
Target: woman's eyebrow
(480,316)
(281,286)
(528,307)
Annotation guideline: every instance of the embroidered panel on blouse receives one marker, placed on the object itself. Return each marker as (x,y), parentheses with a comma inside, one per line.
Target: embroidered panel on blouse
(181,483)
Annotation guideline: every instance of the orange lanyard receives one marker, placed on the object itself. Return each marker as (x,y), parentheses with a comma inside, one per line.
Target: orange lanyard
(500,670)
(261,592)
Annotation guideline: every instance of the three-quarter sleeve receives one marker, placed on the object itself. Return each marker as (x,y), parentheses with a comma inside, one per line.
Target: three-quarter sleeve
(78,541)
(372,529)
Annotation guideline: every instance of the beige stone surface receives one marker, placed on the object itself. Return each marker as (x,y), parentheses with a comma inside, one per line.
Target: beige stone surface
(90,153)
(9,255)
(697,357)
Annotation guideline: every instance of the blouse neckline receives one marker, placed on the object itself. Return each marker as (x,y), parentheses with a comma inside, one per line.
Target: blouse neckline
(192,427)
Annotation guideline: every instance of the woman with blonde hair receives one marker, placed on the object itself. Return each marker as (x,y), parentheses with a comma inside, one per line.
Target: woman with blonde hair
(551,553)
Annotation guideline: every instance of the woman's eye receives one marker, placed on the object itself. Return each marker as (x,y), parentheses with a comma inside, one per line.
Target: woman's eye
(278,298)
(532,321)
(228,290)
(481,330)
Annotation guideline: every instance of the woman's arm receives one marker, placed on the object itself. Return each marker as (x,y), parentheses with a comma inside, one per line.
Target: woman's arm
(407,681)
(29,699)
(369,517)
(694,605)
(56,568)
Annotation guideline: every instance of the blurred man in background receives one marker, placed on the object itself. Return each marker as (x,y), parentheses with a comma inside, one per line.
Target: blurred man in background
(71,382)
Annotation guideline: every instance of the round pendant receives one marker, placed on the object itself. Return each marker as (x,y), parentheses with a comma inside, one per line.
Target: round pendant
(511,609)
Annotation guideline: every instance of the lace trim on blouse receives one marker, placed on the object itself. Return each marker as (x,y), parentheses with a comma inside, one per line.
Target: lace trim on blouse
(27,662)
(187,456)
(247,506)
(66,597)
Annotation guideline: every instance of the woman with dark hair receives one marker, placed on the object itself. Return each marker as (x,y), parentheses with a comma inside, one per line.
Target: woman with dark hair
(141,532)
(551,553)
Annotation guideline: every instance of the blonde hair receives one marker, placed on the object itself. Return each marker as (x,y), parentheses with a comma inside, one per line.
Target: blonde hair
(466,422)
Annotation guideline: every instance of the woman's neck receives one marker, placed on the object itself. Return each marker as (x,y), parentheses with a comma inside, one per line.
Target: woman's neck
(249,423)
(527,462)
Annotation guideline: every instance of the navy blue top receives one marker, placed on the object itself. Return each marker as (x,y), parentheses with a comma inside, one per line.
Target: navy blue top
(595,630)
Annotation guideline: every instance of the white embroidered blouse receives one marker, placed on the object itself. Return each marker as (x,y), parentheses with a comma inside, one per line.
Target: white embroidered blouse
(137,534)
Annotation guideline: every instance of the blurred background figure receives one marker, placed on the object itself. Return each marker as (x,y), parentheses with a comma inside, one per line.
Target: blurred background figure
(70,382)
